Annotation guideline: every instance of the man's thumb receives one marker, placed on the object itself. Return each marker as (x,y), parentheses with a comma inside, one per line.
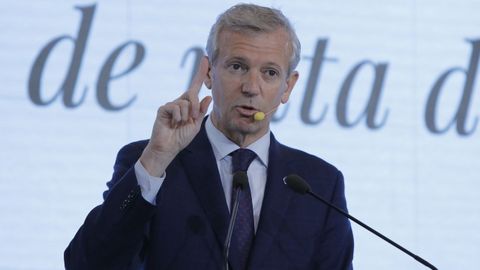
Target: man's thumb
(204,104)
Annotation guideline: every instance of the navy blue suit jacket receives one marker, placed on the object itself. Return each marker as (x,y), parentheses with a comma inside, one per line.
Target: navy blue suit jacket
(187,227)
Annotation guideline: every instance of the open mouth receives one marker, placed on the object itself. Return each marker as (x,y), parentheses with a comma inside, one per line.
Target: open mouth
(245,110)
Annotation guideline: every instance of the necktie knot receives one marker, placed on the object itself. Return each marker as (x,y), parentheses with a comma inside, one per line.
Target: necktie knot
(241,159)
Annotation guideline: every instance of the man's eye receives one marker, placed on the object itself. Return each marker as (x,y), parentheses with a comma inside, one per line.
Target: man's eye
(237,67)
(271,73)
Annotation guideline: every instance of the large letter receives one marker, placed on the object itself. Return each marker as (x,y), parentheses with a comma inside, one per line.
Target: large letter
(372,106)
(461,116)
(278,115)
(68,86)
(106,75)
(312,81)
(197,54)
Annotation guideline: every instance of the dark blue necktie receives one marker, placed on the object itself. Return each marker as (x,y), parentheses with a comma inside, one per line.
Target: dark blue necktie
(243,230)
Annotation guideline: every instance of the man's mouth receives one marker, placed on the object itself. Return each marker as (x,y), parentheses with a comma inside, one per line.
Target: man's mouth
(246,110)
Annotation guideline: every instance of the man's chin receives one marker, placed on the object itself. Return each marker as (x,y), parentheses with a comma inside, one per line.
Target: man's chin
(246,125)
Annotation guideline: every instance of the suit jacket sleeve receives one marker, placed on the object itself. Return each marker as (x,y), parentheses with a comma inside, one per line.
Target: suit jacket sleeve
(114,233)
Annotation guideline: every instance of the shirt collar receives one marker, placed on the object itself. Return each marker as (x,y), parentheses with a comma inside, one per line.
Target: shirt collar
(222,146)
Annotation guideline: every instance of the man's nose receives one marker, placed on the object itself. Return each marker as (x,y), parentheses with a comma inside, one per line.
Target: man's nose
(251,84)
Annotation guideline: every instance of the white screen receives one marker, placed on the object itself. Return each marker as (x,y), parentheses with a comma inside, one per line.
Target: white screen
(412,172)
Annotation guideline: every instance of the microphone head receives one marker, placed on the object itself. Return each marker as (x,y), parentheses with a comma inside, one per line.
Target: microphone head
(259,116)
(240,179)
(297,183)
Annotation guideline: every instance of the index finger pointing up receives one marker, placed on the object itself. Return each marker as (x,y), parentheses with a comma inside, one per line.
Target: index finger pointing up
(199,78)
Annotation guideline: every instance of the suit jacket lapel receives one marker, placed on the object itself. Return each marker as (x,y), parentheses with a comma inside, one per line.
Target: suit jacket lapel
(275,203)
(201,167)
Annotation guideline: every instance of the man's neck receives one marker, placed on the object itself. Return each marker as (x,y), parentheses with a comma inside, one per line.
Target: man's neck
(241,139)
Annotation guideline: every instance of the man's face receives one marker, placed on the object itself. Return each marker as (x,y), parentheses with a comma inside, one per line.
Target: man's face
(249,75)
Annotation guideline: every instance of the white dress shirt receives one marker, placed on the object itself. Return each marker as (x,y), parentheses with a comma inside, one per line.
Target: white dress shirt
(222,147)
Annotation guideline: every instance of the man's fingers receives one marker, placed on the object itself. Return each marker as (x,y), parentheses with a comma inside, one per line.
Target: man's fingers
(188,105)
(195,108)
(204,105)
(180,112)
(191,94)
(172,111)
(199,78)
(184,110)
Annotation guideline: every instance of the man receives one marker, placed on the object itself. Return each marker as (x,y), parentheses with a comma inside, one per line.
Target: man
(169,200)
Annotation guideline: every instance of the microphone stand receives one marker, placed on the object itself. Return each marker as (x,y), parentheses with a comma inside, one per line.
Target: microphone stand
(416,257)
(240,182)
(299,185)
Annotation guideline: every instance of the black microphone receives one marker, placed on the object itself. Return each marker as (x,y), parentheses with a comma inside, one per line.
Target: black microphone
(240,182)
(299,185)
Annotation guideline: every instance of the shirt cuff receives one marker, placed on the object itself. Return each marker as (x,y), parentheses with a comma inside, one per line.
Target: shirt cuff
(149,185)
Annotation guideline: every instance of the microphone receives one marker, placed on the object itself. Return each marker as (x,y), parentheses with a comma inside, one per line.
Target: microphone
(259,116)
(299,185)
(240,183)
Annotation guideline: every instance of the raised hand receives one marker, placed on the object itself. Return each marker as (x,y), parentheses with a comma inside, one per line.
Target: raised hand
(176,125)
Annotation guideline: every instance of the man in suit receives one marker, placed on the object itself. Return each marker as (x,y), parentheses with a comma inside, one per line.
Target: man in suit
(169,201)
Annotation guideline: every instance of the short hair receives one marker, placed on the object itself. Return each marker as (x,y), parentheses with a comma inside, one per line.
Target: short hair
(250,18)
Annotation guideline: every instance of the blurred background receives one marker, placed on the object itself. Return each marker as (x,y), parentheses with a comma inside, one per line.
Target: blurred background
(388,92)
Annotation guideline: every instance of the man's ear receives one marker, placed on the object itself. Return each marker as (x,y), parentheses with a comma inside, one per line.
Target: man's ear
(291,81)
(208,78)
